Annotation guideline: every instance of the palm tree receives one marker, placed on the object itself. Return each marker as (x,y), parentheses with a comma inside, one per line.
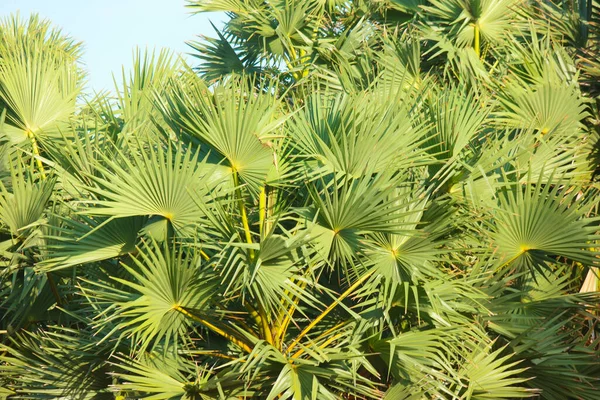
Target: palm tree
(347,200)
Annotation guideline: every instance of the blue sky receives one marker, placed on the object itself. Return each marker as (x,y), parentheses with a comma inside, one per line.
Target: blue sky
(111,29)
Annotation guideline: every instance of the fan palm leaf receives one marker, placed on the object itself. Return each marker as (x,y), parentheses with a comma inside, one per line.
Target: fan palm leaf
(539,221)
(235,124)
(161,184)
(163,281)
(39,78)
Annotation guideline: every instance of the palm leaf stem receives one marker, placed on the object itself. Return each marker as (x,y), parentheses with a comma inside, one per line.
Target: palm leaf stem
(293,56)
(204,255)
(265,324)
(260,315)
(220,355)
(260,318)
(36,152)
(330,308)
(243,214)
(221,331)
(477,40)
(254,314)
(53,288)
(248,328)
(289,67)
(262,209)
(324,334)
(271,196)
(303,58)
(286,319)
(322,346)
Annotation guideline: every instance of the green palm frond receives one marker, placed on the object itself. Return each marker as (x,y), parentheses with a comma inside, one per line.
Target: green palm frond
(475,23)
(547,108)
(25,202)
(162,282)
(538,60)
(162,184)
(401,61)
(538,222)
(345,210)
(570,366)
(165,378)
(235,124)
(457,119)
(19,32)
(234,6)
(411,354)
(458,123)
(135,99)
(519,311)
(356,135)
(54,364)
(220,58)
(269,280)
(29,298)
(308,382)
(153,383)
(562,155)
(490,375)
(39,78)
(89,240)
(77,153)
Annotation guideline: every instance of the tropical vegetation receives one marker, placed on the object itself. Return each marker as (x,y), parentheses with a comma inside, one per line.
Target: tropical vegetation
(391,199)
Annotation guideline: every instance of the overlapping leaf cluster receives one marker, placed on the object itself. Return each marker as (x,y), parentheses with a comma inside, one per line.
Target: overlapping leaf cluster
(347,200)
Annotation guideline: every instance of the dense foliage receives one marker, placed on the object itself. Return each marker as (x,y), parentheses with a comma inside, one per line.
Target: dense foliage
(390,199)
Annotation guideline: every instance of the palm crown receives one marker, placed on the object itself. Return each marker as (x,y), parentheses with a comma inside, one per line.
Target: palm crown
(346,200)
